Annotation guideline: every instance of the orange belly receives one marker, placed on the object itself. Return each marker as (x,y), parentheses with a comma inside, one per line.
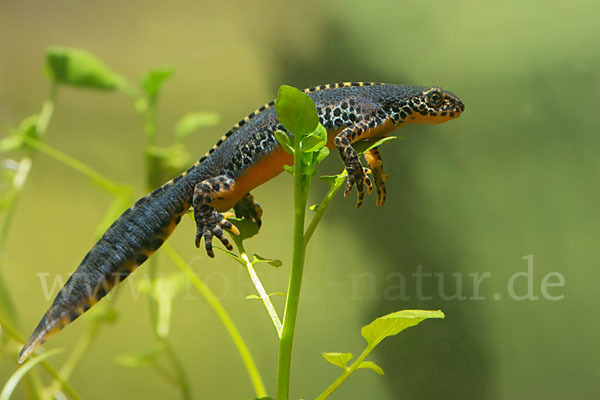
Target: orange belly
(264,170)
(272,165)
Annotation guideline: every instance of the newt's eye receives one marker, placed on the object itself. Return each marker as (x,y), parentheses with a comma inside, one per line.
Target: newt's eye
(434,98)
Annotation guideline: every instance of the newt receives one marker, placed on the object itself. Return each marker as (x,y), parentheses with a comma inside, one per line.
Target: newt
(247,156)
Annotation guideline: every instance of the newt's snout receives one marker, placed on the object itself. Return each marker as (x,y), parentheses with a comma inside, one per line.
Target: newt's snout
(434,106)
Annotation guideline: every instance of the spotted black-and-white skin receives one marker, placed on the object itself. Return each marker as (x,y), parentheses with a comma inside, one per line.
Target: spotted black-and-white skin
(245,157)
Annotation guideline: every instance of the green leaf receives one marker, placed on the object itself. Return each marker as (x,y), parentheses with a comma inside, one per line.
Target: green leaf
(394,323)
(324,152)
(285,141)
(311,143)
(315,141)
(333,179)
(141,359)
(154,79)
(363,146)
(338,359)
(191,122)
(272,261)
(314,207)
(296,111)
(371,365)
(14,380)
(256,297)
(247,228)
(289,169)
(320,132)
(76,67)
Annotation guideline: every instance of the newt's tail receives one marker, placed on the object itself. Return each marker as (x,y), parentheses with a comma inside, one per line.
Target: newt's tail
(129,241)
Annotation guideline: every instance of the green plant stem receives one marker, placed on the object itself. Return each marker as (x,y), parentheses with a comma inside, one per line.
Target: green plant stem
(347,372)
(213,301)
(14,334)
(260,289)
(339,181)
(301,188)
(263,295)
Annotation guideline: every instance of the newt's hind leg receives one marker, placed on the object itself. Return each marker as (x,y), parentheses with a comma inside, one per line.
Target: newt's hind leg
(373,159)
(247,208)
(209,222)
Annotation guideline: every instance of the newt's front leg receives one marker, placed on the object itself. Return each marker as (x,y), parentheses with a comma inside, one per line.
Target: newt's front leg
(357,174)
(209,222)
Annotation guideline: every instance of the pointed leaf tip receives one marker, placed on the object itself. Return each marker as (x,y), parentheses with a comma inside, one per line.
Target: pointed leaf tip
(271,261)
(363,146)
(394,323)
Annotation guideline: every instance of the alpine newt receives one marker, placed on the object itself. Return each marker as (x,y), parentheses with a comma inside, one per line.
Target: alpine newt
(245,157)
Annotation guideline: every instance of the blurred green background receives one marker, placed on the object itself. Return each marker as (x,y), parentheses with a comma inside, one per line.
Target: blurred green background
(516,175)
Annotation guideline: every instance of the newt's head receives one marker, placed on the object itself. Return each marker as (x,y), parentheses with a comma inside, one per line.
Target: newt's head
(434,105)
